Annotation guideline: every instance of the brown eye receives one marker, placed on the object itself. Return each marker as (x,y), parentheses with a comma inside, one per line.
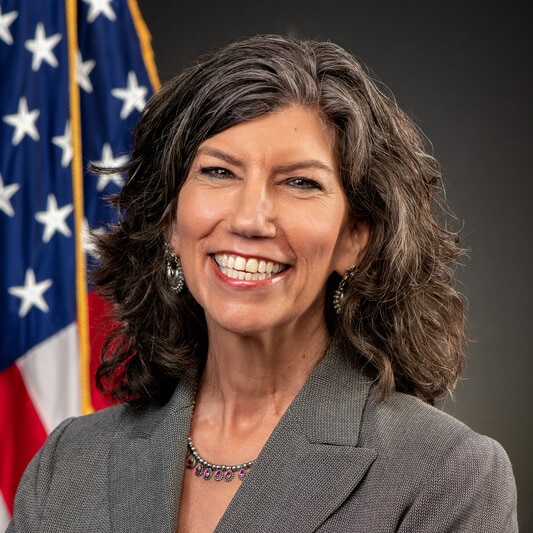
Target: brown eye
(304,183)
(216,172)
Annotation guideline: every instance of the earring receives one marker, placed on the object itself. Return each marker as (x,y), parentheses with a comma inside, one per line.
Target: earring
(175,277)
(338,295)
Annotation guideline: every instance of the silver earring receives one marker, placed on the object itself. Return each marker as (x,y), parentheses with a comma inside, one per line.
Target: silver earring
(338,295)
(175,277)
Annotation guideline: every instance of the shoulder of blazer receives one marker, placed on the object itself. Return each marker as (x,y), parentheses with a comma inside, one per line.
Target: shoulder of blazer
(404,419)
(421,442)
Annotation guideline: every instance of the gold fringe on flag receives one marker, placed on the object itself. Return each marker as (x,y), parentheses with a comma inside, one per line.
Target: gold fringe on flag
(145,40)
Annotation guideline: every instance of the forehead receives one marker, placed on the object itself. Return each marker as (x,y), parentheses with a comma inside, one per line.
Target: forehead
(291,132)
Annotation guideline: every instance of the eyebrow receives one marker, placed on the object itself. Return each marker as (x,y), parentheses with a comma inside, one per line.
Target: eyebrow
(292,167)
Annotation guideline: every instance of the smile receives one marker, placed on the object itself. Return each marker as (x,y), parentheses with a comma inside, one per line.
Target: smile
(247,268)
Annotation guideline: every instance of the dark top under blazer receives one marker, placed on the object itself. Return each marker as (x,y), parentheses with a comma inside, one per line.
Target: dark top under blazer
(339,460)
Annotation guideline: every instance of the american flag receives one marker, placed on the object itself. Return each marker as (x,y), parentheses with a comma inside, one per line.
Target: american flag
(74,75)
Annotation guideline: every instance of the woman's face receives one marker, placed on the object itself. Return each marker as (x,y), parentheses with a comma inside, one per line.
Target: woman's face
(262,222)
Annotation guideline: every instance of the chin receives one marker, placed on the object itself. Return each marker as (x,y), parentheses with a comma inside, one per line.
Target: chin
(245,322)
(245,328)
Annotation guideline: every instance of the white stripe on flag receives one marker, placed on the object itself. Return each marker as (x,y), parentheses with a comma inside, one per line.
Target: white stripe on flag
(4,514)
(52,376)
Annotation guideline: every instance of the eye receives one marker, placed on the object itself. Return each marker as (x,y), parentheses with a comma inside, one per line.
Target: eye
(216,172)
(304,183)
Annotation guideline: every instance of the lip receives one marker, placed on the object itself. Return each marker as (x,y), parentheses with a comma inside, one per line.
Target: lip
(247,270)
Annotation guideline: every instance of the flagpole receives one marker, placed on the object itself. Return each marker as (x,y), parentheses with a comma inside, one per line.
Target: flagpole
(77,185)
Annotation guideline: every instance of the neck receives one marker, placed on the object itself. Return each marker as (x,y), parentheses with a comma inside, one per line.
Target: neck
(250,377)
(260,366)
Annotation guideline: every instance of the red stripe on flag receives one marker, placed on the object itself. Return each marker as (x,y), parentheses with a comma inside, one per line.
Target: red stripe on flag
(22,432)
(99,325)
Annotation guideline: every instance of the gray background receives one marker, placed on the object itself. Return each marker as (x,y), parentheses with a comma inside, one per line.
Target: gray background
(462,71)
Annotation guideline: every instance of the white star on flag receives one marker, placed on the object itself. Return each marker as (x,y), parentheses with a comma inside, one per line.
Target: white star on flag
(6,192)
(109,161)
(65,143)
(134,96)
(83,69)
(6,21)
(98,7)
(23,122)
(41,48)
(54,218)
(31,293)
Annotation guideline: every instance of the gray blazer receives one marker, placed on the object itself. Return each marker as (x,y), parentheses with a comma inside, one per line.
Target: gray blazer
(339,460)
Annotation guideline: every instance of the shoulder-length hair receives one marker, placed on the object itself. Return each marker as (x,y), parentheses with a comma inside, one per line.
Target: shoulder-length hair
(401,315)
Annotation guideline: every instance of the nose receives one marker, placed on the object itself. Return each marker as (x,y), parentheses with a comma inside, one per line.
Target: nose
(252,212)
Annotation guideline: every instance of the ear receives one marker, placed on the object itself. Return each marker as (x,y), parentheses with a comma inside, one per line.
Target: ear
(351,245)
(173,238)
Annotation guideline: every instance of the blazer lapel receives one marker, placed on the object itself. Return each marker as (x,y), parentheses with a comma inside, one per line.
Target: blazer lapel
(144,475)
(311,460)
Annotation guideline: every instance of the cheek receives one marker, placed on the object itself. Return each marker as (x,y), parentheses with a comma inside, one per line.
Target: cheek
(197,214)
(319,241)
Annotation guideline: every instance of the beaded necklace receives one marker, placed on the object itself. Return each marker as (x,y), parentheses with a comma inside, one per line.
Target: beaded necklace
(207,470)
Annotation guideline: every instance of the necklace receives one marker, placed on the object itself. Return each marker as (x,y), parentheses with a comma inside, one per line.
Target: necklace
(206,470)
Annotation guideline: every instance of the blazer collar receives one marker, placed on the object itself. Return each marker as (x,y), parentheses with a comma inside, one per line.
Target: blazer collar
(311,461)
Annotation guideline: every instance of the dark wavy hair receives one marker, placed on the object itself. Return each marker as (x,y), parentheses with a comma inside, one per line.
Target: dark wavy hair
(401,315)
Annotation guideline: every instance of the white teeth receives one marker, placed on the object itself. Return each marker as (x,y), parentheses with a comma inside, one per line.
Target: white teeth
(252,265)
(240,263)
(238,267)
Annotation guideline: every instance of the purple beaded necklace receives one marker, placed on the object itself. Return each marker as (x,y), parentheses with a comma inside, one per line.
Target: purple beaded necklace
(206,470)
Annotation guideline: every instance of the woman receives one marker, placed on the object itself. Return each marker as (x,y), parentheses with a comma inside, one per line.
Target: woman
(282,275)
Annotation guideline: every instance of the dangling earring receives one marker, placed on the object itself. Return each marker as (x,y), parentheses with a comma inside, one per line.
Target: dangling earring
(338,295)
(175,277)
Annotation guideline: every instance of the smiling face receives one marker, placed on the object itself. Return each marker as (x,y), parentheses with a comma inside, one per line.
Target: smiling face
(262,221)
